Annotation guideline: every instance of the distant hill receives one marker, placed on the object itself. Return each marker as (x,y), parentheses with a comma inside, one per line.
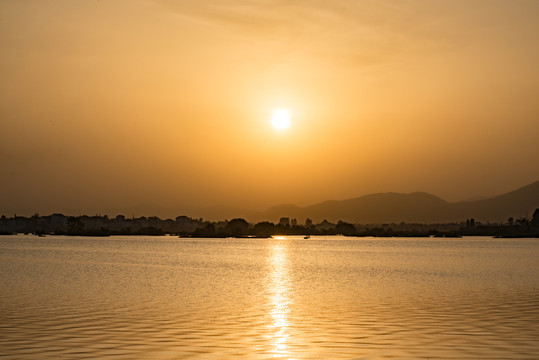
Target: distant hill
(414,207)
(517,203)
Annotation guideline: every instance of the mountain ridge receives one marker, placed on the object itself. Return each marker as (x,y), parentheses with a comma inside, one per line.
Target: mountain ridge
(419,207)
(375,208)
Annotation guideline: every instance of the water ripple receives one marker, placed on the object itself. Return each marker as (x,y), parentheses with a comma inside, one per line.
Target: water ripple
(288,298)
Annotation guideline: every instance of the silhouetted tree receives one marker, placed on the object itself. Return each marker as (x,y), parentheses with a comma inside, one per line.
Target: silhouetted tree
(74,225)
(264,228)
(208,230)
(535,218)
(237,227)
(345,228)
(284,221)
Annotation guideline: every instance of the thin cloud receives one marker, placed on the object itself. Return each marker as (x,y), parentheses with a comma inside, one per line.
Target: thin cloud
(356,33)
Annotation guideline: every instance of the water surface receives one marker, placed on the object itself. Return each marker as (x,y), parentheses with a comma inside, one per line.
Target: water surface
(290,298)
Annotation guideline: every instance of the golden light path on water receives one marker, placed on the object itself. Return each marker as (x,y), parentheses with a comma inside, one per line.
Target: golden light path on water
(279,297)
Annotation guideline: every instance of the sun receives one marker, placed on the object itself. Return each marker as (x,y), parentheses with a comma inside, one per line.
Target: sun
(280,119)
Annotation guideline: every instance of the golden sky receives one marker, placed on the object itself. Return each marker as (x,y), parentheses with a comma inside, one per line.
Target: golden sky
(110,104)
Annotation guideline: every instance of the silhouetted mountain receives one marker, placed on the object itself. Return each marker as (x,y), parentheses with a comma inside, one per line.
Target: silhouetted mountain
(373,208)
(518,203)
(414,207)
(477,198)
(417,207)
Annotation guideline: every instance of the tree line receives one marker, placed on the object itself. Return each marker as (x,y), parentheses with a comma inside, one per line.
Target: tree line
(184,226)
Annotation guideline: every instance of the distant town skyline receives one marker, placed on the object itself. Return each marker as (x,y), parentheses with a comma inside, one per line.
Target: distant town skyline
(113,105)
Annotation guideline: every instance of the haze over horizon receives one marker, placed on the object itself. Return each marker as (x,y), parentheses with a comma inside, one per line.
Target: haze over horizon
(109,105)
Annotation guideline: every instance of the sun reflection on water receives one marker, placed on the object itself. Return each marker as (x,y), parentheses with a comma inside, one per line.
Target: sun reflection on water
(279,300)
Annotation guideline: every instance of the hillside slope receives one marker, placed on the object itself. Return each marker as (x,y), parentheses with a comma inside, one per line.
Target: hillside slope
(414,207)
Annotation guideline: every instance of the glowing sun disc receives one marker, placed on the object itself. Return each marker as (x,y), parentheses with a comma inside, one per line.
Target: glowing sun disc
(281,119)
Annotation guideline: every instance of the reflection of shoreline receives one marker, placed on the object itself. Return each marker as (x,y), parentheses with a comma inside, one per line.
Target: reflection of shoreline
(277,289)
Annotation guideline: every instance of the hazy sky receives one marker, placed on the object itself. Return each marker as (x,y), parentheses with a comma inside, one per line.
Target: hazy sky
(110,104)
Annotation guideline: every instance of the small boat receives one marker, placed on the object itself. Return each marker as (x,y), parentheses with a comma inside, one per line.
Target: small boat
(307,237)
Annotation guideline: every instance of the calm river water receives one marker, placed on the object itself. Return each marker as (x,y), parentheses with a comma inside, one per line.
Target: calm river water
(291,298)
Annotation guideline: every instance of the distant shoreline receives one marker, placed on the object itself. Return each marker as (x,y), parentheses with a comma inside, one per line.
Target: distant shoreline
(183,226)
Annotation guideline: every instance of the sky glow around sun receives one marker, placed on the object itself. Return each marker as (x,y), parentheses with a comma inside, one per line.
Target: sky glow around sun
(280,119)
(351,95)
